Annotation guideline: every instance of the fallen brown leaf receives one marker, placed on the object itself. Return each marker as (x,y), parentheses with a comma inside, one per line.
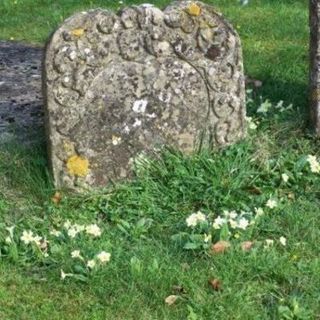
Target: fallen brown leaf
(56,198)
(170,300)
(254,190)
(215,284)
(247,245)
(220,247)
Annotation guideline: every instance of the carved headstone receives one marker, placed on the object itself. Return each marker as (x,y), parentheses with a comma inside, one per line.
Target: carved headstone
(121,84)
(314,8)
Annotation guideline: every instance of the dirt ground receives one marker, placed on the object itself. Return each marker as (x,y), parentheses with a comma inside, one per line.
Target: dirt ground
(21,105)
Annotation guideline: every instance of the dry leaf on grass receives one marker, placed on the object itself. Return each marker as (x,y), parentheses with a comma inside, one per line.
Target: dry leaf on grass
(247,245)
(215,284)
(56,198)
(220,247)
(170,300)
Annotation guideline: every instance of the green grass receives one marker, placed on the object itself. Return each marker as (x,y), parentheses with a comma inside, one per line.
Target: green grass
(139,218)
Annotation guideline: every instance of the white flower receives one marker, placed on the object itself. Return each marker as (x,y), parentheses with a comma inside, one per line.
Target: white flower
(230,214)
(64,275)
(218,222)
(271,203)
(72,232)
(191,220)
(233,215)
(195,218)
(285,177)
(10,230)
(233,223)
(243,223)
(55,233)
(251,124)
(79,227)
(259,212)
(314,164)
(283,241)
(207,238)
(91,264)
(269,243)
(94,230)
(27,236)
(200,216)
(8,240)
(37,240)
(76,254)
(104,256)
(67,224)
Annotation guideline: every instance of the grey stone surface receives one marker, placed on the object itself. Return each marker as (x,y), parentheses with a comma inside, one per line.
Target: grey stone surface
(118,85)
(21,107)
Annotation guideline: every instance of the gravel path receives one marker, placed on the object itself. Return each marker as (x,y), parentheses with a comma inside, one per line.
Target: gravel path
(21,111)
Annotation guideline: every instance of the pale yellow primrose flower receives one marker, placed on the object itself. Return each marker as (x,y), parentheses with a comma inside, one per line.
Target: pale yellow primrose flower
(195,218)
(218,222)
(104,257)
(8,240)
(283,241)
(285,177)
(10,230)
(271,203)
(27,236)
(76,254)
(207,238)
(314,164)
(91,264)
(64,275)
(37,240)
(269,243)
(243,223)
(259,212)
(94,230)
(55,233)
(72,232)
(233,223)
(67,224)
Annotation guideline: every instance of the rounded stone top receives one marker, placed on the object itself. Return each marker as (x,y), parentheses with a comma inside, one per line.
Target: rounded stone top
(123,84)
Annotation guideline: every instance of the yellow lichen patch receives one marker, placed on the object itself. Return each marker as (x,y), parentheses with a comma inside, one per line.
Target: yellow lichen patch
(194,9)
(78,166)
(77,32)
(68,148)
(315,94)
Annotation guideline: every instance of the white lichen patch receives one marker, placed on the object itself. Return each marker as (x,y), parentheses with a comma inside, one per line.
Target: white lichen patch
(72,55)
(140,106)
(116,140)
(66,79)
(165,97)
(126,129)
(152,115)
(137,123)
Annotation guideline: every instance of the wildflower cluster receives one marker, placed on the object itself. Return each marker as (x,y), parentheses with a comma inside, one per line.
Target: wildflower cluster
(314,164)
(35,246)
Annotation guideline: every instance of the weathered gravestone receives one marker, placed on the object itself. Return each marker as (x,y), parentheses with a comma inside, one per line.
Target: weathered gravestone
(314,8)
(121,84)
